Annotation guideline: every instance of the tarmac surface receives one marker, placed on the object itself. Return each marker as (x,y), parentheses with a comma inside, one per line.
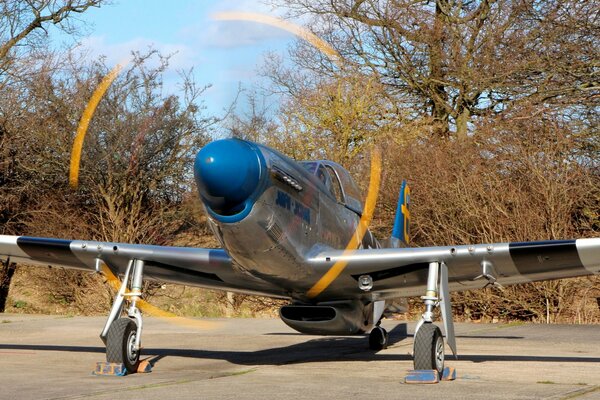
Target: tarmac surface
(50,357)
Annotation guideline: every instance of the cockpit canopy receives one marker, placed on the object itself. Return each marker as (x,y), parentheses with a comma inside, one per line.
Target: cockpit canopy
(337,181)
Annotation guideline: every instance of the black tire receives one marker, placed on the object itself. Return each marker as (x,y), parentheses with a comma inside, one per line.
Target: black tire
(378,339)
(429,348)
(119,344)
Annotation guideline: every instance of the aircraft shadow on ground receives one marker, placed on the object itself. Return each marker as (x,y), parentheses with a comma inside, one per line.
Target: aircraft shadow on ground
(322,349)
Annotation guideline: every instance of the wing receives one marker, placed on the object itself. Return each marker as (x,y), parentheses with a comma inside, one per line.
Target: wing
(403,272)
(210,268)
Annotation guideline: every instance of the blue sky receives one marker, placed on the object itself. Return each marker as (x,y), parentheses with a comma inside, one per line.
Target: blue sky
(222,53)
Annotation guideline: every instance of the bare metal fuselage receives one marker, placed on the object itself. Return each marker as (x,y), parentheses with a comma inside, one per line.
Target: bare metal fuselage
(285,227)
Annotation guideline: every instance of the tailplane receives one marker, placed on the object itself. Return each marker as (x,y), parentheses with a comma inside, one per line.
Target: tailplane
(401,231)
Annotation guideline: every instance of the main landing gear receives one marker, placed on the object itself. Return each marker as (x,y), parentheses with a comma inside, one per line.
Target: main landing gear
(122,336)
(428,348)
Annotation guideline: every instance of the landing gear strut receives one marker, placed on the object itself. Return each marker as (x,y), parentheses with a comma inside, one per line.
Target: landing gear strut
(428,351)
(122,336)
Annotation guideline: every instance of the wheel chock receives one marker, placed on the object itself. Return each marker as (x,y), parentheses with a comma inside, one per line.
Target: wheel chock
(449,374)
(422,376)
(116,369)
(113,369)
(430,375)
(144,367)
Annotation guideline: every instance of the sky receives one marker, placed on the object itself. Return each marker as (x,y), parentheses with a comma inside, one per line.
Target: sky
(224,54)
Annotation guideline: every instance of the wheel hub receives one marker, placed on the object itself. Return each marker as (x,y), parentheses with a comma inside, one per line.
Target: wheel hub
(132,353)
(439,354)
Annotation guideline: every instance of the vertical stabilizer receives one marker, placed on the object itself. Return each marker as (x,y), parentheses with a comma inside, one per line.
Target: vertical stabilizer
(401,232)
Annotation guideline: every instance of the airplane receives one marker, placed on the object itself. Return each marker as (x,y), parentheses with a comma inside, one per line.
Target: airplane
(283,225)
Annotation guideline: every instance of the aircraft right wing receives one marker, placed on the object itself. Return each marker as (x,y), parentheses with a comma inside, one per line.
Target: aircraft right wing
(403,271)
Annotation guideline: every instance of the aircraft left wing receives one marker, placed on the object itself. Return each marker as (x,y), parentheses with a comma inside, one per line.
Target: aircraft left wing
(210,268)
(403,271)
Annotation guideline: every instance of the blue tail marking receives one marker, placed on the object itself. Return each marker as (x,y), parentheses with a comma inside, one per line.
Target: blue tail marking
(401,230)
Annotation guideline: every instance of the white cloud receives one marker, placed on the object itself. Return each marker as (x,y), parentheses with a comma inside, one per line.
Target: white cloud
(245,5)
(211,33)
(231,34)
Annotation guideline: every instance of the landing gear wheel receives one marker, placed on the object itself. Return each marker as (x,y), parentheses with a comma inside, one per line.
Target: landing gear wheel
(429,348)
(378,338)
(120,344)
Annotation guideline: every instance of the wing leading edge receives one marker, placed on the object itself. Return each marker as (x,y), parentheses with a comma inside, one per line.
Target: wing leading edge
(210,268)
(405,270)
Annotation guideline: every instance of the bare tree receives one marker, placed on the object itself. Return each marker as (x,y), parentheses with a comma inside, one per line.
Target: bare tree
(136,164)
(23,25)
(453,61)
(524,176)
(21,21)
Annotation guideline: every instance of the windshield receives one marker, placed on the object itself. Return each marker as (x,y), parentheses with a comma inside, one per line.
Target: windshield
(349,187)
(337,180)
(310,166)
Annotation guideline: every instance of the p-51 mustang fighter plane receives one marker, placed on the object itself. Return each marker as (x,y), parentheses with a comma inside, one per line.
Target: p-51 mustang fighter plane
(283,225)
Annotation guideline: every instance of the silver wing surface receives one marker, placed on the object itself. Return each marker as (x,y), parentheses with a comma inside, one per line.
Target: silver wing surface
(395,272)
(403,272)
(209,268)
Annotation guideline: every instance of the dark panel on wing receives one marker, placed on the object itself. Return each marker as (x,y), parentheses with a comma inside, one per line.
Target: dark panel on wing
(397,271)
(538,257)
(183,271)
(53,251)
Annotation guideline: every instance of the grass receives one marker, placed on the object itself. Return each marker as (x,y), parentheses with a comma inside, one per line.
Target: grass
(236,373)
(243,372)
(20,304)
(57,300)
(581,392)
(512,323)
